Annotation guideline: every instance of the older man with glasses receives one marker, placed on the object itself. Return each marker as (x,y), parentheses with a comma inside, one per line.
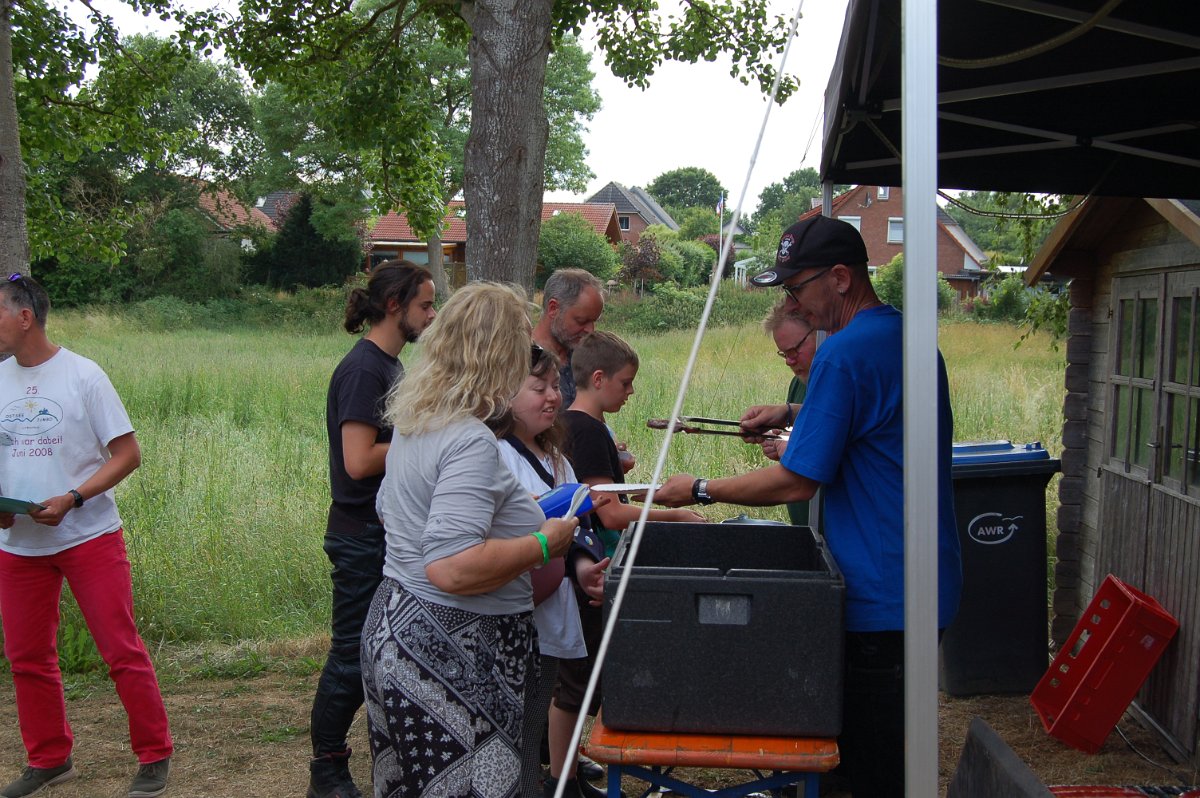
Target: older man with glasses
(848,437)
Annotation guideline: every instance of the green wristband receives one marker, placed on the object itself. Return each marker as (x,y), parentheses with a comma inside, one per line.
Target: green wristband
(545,546)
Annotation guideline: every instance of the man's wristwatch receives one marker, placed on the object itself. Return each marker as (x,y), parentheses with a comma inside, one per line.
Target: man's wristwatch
(78,497)
(700,492)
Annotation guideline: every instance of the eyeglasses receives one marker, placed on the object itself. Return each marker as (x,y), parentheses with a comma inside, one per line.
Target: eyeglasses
(794,290)
(792,351)
(536,353)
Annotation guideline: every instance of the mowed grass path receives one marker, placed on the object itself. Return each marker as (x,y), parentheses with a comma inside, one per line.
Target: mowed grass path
(225,517)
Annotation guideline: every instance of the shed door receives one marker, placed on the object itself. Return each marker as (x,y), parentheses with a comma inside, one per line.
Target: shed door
(1150,506)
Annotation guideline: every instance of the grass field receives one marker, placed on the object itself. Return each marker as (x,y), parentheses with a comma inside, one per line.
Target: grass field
(225,517)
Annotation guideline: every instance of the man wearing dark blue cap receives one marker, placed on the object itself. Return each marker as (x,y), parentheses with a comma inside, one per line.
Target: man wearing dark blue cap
(849,438)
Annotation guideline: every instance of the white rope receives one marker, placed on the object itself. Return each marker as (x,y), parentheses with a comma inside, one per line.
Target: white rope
(639,528)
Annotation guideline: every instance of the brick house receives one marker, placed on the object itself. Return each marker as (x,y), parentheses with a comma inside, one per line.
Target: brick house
(636,210)
(392,237)
(878,213)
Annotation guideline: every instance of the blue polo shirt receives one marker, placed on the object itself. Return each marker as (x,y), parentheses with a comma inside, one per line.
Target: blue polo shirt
(849,436)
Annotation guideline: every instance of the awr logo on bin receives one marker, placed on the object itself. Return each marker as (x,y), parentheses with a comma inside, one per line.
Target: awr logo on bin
(993,528)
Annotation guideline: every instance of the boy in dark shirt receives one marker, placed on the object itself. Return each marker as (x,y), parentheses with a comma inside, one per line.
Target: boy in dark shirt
(604,367)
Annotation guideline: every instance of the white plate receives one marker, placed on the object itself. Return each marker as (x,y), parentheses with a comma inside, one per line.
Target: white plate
(624,487)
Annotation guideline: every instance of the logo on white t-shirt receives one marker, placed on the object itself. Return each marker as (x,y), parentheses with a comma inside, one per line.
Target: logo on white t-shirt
(30,416)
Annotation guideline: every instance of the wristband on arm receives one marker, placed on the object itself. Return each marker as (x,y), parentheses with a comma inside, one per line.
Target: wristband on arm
(541,539)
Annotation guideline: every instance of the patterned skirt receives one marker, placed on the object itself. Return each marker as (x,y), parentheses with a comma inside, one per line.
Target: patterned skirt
(445,692)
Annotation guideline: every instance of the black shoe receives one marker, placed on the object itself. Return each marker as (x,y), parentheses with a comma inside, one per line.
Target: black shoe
(151,779)
(589,790)
(330,776)
(589,770)
(33,780)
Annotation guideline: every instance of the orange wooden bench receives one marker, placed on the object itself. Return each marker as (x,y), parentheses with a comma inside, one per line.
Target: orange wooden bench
(651,756)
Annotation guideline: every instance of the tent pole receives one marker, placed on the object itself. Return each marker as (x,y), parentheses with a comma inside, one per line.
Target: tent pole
(919,170)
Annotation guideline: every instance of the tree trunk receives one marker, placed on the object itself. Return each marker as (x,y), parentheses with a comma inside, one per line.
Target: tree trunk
(14,237)
(433,248)
(506,149)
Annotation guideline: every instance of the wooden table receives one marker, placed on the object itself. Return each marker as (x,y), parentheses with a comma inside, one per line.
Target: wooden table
(651,756)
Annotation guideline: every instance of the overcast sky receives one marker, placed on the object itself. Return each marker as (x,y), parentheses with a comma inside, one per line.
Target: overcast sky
(698,115)
(692,114)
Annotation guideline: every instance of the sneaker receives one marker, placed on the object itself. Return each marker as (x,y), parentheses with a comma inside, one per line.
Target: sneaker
(330,776)
(34,780)
(151,779)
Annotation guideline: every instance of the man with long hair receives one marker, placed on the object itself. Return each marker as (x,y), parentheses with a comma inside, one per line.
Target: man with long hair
(395,307)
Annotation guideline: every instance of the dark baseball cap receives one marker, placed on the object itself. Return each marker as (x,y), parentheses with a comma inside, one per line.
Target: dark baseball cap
(812,243)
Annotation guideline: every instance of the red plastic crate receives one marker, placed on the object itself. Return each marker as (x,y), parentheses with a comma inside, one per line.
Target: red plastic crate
(1099,671)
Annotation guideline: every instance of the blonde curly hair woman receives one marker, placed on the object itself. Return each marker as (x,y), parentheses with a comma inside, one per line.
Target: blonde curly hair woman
(449,642)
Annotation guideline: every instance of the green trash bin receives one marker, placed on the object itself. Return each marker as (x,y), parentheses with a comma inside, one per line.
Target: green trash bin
(998,642)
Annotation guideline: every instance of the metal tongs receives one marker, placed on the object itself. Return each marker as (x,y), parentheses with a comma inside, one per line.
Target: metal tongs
(689,424)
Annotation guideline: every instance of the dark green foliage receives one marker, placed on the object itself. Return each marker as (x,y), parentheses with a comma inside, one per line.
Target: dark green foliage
(783,202)
(1008,241)
(697,222)
(1048,311)
(669,307)
(889,285)
(309,310)
(569,241)
(183,258)
(1006,299)
(301,257)
(687,187)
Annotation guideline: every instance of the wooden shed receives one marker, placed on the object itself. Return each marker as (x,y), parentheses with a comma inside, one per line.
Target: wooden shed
(1130,492)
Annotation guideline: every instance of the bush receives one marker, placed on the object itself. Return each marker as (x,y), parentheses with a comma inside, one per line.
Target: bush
(309,310)
(1004,300)
(889,285)
(669,307)
(569,241)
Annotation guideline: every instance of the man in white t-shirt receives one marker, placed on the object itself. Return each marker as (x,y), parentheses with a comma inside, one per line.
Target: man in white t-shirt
(65,442)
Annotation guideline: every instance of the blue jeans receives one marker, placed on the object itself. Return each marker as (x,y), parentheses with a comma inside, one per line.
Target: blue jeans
(356,550)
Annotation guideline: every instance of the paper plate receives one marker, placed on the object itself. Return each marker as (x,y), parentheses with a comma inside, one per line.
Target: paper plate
(624,487)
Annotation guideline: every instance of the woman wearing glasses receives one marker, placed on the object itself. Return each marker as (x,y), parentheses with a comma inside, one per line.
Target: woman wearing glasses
(449,641)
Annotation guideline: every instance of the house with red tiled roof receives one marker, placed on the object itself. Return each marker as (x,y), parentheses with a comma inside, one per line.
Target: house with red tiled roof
(227,214)
(392,237)
(878,213)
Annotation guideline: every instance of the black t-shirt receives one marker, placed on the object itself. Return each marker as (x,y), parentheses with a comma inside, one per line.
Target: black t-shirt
(591,449)
(357,391)
(593,454)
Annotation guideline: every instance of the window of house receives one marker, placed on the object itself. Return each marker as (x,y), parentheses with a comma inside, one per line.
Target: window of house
(895,233)
(854,220)
(884,193)
(1155,389)
(623,221)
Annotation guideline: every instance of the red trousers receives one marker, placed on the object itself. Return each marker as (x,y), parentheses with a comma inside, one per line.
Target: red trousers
(99,575)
